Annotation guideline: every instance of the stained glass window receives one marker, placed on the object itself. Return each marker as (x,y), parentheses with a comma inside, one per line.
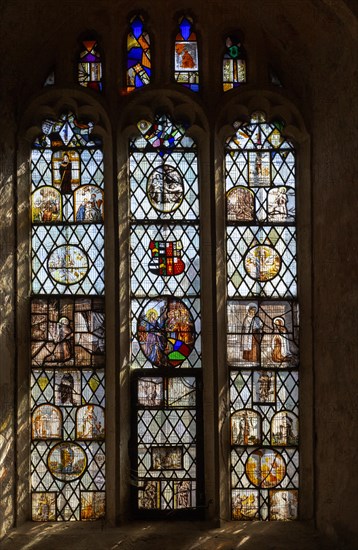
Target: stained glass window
(90,66)
(262,320)
(139,68)
(234,63)
(186,61)
(67,323)
(166,326)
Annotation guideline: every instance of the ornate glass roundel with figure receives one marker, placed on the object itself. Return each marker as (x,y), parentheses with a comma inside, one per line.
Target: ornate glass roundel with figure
(67,461)
(262,263)
(166,332)
(68,264)
(165,188)
(265,468)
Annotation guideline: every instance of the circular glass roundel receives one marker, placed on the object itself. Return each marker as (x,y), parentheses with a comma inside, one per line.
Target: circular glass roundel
(68,264)
(265,468)
(165,188)
(67,461)
(166,332)
(262,263)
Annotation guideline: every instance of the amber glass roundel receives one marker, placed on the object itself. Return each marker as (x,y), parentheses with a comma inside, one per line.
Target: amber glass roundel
(262,263)
(68,264)
(265,468)
(67,461)
(166,332)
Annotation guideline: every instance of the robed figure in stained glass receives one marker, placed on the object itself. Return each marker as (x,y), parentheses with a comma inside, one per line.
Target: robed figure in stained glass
(65,169)
(250,340)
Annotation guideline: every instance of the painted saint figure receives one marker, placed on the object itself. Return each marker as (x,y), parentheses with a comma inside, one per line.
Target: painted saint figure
(250,339)
(265,386)
(65,169)
(155,343)
(280,343)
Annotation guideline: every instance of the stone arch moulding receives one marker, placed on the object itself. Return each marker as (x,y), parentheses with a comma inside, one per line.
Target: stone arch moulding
(275,105)
(51,104)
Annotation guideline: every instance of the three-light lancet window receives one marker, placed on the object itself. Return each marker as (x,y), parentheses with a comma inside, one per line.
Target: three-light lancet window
(68,359)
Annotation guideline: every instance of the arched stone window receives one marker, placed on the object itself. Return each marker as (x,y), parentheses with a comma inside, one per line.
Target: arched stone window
(168,389)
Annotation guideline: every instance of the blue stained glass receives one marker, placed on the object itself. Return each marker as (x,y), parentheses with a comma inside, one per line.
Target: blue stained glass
(137,27)
(136,53)
(185,27)
(194,87)
(138,82)
(89,58)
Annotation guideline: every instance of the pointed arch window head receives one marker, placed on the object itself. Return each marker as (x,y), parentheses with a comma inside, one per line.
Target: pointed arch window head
(234,63)
(90,66)
(139,66)
(186,61)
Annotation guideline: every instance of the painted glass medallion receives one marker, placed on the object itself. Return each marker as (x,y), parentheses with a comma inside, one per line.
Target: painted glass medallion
(90,422)
(67,461)
(46,205)
(245,504)
(265,468)
(262,263)
(281,204)
(167,458)
(93,505)
(44,506)
(166,332)
(284,429)
(246,428)
(165,188)
(88,205)
(240,204)
(149,495)
(283,505)
(68,264)
(46,422)
(183,494)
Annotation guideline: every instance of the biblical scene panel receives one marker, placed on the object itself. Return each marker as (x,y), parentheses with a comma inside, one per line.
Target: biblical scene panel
(262,334)
(166,333)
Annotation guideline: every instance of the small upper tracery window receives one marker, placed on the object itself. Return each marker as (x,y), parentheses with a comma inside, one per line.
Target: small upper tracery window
(139,68)
(90,66)
(234,63)
(186,61)
(50,79)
